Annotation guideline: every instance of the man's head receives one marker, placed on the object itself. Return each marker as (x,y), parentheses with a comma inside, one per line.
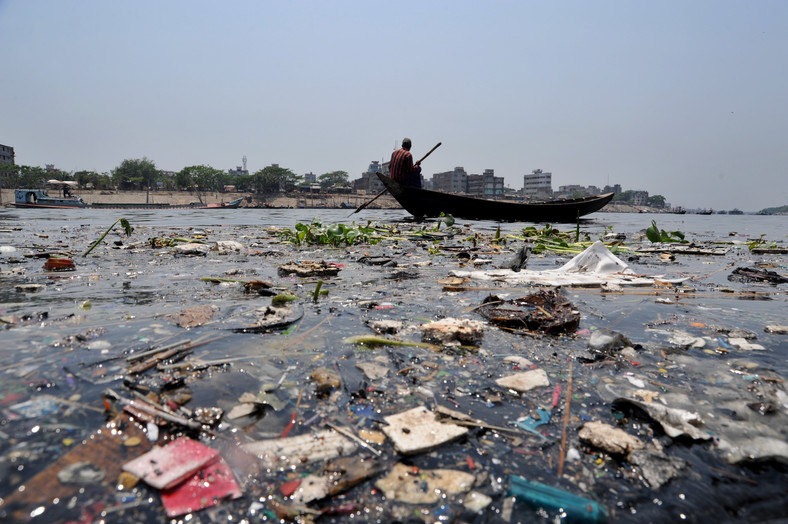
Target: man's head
(406,143)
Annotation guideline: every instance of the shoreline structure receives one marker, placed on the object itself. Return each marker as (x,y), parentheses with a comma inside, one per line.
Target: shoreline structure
(286,200)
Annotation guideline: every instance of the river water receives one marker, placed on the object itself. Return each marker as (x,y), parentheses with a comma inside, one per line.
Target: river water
(68,338)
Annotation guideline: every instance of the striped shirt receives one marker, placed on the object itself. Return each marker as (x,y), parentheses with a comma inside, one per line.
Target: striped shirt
(401,165)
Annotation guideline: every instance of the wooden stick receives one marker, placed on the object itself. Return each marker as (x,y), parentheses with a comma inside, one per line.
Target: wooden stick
(566,421)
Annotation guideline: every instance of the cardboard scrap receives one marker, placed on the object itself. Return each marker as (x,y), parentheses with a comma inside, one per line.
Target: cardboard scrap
(525,381)
(294,451)
(423,486)
(609,438)
(418,430)
(104,449)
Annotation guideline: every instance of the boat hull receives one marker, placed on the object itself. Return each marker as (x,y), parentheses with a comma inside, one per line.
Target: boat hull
(425,203)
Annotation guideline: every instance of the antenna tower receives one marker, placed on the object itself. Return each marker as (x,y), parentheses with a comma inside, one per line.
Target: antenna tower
(244,160)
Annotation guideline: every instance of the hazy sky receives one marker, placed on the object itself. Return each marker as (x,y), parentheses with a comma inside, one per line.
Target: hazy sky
(685,98)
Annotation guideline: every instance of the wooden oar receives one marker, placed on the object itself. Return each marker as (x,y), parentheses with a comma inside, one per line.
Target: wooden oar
(362,206)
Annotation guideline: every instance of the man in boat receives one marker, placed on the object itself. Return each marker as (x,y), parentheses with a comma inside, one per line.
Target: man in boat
(401,167)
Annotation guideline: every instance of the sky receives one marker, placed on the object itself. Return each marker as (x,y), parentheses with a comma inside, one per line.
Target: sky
(682,98)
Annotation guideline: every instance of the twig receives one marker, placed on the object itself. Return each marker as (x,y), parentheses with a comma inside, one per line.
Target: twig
(732,475)
(544,311)
(566,421)
(72,403)
(354,438)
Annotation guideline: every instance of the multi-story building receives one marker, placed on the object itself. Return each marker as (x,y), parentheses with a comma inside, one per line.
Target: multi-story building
(538,184)
(639,198)
(6,155)
(369,180)
(451,181)
(486,185)
(238,171)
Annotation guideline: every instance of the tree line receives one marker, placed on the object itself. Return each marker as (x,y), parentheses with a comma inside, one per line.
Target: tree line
(141,174)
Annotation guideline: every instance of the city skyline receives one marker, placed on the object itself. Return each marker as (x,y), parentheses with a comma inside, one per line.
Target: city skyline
(680,99)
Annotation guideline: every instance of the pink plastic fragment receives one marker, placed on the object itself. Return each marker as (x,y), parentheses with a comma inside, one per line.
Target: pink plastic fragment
(167,466)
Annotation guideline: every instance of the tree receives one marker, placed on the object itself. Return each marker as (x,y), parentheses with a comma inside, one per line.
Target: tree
(274,178)
(16,176)
(136,173)
(243,182)
(334,178)
(624,196)
(96,181)
(656,201)
(206,178)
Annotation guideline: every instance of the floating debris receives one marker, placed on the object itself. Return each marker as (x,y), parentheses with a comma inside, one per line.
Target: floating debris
(545,311)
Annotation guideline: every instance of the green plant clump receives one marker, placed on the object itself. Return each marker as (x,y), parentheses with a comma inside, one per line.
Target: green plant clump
(332,235)
(654,234)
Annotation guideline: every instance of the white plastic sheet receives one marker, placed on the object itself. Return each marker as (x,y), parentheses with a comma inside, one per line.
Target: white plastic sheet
(593,267)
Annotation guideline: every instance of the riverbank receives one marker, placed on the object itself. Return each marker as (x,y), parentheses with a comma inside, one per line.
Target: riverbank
(285,200)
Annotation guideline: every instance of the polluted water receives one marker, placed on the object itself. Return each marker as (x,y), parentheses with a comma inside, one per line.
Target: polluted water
(299,365)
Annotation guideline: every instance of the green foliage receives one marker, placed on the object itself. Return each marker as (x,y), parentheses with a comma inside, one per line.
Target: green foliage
(135,174)
(272,179)
(282,299)
(435,249)
(126,228)
(156,242)
(332,235)
(548,232)
(773,210)
(624,196)
(444,219)
(16,176)
(206,178)
(656,201)
(761,242)
(334,178)
(99,181)
(654,234)
(551,239)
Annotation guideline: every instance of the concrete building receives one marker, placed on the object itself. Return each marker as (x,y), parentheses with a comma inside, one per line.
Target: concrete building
(451,181)
(486,185)
(639,198)
(7,155)
(310,178)
(369,180)
(538,184)
(238,171)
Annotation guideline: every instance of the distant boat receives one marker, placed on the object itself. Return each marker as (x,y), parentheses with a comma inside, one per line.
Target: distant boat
(40,199)
(679,210)
(425,203)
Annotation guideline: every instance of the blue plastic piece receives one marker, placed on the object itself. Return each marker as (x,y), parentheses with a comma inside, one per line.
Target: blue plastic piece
(530,424)
(576,508)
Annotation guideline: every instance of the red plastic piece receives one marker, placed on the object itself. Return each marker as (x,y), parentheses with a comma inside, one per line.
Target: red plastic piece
(209,486)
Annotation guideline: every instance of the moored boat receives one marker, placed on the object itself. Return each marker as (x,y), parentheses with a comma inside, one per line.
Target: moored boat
(425,203)
(40,199)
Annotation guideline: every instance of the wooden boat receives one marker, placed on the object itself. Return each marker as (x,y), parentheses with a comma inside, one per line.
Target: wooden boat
(40,199)
(425,203)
